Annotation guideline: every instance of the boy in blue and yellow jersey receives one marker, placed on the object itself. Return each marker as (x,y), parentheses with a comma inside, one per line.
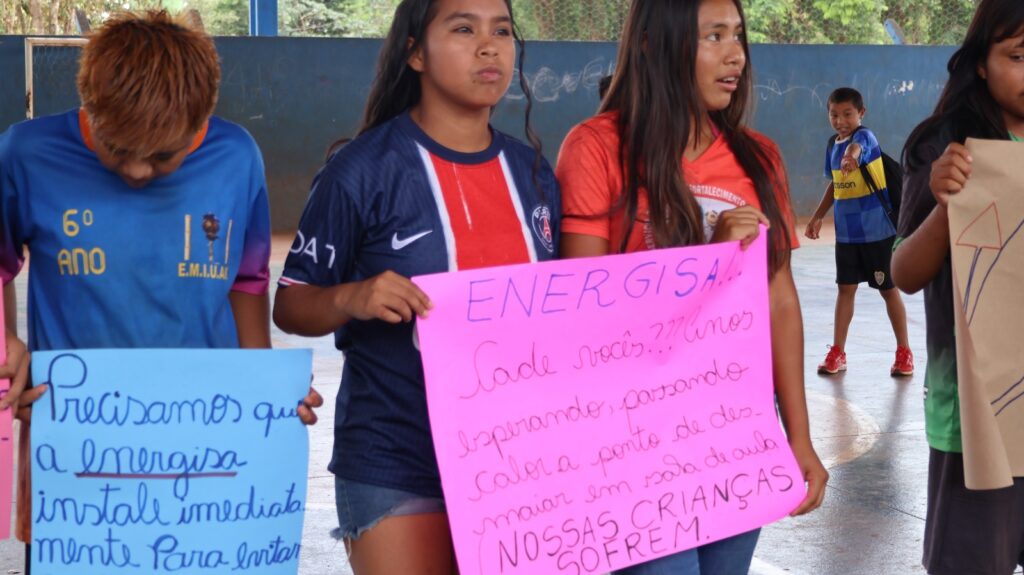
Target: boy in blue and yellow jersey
(865,232)
(146,217)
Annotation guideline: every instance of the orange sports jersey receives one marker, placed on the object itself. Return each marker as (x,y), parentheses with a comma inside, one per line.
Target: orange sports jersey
(590,176)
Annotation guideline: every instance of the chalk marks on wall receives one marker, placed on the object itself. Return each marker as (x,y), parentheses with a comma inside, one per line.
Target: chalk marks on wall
(549,85)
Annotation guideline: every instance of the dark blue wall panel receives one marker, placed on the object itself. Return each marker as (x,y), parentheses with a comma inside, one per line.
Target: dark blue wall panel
(900,84)
(12,80)
(297,95)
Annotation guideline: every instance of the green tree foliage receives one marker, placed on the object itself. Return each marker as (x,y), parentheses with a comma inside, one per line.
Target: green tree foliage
(782,21)
(561,20)
(222,17)
(778,21)
(817,21)
(56,17)
(352,18)
(365,18)
(932,21)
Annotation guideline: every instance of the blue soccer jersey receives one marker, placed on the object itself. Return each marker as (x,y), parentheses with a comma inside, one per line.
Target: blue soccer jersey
(859,215)
(113,266)
(394,199)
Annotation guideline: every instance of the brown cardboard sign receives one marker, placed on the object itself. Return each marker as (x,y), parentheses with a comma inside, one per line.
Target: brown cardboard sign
(986,226)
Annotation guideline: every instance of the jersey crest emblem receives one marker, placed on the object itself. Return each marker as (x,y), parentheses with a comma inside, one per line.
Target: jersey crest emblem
(541,224)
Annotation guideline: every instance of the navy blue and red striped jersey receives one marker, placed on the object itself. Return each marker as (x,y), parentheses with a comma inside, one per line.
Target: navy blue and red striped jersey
(394,199)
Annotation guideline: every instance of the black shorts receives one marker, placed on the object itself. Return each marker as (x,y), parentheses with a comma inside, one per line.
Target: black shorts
(859,263)
(970,532)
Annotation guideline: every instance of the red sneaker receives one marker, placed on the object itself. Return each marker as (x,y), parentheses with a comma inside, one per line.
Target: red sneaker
(904,364)
(834,362)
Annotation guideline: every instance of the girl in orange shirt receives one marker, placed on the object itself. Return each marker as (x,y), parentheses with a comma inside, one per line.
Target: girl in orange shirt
(670,163)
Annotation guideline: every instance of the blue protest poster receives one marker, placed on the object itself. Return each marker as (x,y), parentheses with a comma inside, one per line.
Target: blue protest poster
(169,461)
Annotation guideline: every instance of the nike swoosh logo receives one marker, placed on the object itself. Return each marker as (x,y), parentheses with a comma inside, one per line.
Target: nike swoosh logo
(397,244)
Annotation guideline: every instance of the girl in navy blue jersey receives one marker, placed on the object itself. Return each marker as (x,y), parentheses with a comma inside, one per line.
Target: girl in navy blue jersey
(427,186)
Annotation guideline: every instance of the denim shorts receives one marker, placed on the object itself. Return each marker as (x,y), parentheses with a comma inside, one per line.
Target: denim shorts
(361,506)
(731,556)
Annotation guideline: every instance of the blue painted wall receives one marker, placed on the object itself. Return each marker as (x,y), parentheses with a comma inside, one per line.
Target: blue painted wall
(297,95)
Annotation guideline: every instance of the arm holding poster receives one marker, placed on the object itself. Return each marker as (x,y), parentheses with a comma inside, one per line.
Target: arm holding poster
(15,355)
(788,375)
(6,430)
(252,322)
(252,319)
(314,311)
(743,224)
(922,253)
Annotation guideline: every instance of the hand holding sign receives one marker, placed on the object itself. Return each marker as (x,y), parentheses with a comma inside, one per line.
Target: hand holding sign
(14,362)
(8,398)
(950,172)
(597,413)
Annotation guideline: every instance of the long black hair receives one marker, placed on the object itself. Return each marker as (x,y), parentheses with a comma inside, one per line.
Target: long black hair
(966,108)
(396,87)
(656,94)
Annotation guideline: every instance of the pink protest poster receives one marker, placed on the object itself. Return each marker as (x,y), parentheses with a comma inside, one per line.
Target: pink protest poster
(593,414)
(6,442)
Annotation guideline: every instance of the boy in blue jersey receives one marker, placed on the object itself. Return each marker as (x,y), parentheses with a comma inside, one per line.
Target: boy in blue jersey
(865,232)
(146,217)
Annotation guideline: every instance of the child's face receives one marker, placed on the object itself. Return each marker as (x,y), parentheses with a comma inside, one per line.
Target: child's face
(720,55)
(466,57)
(1003,71)
(139,170)
(844,117)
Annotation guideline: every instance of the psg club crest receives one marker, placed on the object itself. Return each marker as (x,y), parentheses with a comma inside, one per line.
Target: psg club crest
(541,221)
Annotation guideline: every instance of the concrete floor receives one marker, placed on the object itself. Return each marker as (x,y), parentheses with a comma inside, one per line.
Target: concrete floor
(867,427)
